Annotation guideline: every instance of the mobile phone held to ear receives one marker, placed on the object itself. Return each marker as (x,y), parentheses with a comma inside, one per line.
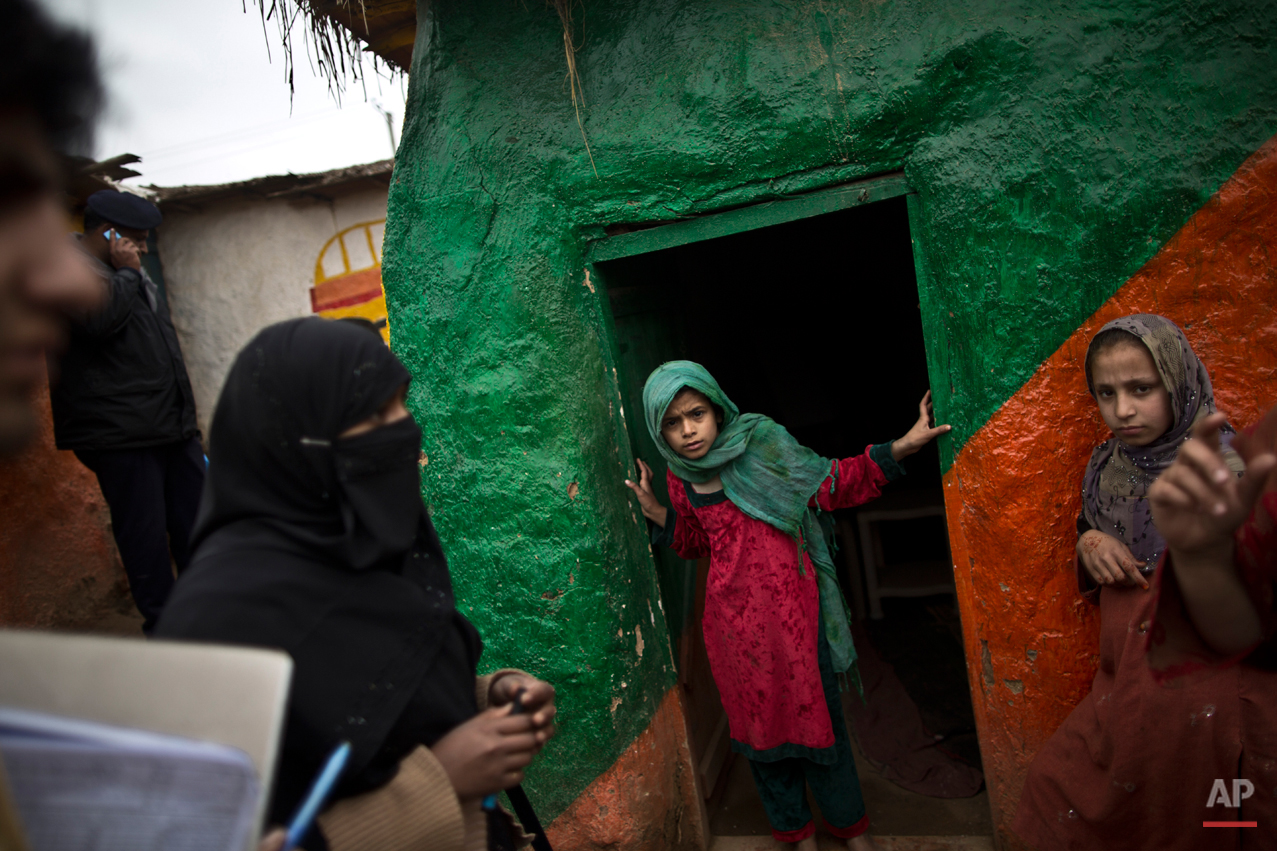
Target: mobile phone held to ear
(111,235)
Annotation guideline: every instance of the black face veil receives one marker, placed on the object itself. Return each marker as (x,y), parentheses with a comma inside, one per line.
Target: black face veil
(292,390)
(321,546)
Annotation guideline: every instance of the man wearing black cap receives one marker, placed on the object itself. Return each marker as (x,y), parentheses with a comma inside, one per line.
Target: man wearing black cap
(123,402)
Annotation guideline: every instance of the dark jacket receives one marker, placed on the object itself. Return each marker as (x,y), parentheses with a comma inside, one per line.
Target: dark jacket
(122,383)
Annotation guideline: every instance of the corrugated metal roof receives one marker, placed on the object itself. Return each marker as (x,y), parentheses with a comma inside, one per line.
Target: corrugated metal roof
(319,184)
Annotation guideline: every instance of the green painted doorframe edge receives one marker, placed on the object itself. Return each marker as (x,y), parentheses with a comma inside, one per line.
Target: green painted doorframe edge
(754,216)
(935,336)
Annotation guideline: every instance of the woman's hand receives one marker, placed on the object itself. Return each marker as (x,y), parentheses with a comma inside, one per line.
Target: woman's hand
(1108,560)
(536,697)
(923,432)
(1198,502)
(652,508)
(487,753)
(273,841)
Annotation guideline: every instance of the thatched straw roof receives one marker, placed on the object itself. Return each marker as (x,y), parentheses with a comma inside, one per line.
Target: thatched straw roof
(338,32)
(388,28)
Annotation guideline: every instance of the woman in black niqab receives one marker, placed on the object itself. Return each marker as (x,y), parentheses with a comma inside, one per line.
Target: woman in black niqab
(319,544)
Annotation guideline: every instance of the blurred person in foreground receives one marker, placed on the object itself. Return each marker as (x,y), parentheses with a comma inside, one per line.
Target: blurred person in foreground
(123,403)
(49,96)
(1217,581)
(1215,618)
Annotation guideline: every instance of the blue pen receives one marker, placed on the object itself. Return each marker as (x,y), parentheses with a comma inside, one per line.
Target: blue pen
(318,794)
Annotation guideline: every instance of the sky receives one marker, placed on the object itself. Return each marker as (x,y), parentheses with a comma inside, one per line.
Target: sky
(198,91)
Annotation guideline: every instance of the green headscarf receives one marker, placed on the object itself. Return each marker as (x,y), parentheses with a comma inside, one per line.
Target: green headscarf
(767,474)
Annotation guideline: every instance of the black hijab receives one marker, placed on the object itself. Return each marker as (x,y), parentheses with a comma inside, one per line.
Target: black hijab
(321,546)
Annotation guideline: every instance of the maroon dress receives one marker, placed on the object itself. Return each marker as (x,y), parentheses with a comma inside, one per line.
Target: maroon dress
(1136,763)
(762,612)
(1179,655)
(1133,765)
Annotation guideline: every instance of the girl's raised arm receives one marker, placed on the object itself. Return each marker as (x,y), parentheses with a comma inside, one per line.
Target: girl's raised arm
(857,480)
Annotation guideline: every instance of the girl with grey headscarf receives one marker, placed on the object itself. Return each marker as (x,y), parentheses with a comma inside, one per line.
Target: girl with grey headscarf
(1134,763)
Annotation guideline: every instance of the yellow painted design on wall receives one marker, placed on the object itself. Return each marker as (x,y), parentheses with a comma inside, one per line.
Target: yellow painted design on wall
(348,276)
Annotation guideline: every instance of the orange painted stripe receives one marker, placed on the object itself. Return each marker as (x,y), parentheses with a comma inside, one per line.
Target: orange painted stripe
(344,302)
(646,799)
(348,289)
(1014,490)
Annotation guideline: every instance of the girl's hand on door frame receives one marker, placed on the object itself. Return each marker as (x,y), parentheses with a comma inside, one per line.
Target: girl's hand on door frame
(923,432)
(652,508)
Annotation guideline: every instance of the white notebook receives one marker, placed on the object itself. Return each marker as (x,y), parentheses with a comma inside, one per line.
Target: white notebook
(145,725)
(80,785)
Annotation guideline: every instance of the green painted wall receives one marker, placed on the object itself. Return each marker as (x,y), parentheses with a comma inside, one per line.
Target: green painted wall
(1053,148)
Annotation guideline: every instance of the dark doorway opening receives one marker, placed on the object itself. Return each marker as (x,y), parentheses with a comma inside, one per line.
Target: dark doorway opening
(815,323)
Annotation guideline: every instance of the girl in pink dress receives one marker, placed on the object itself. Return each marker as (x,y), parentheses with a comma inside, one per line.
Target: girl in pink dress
(748,496)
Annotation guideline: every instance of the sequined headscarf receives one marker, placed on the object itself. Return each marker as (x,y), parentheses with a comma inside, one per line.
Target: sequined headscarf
(1116,484)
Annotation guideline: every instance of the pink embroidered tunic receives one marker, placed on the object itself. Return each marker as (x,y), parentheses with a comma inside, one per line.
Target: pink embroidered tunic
(762,614)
